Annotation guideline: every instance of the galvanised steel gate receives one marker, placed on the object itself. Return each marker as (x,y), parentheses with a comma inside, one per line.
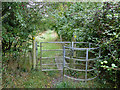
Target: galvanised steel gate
(73,56)
(55,61)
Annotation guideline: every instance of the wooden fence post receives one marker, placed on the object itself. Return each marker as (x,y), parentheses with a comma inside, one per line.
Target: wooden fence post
(36,47)
(41,56)
(34,54)
(30,59)
(61,38)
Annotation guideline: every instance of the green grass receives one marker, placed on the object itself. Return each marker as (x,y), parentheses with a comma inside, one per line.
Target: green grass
(33,79)
(80,84)
(38,79)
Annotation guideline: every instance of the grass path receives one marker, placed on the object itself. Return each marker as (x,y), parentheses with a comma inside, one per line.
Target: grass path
(50,36)
(40,79)
(46,36)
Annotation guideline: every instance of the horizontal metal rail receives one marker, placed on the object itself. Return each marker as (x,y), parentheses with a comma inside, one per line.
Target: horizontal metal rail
(79,69)
(78,64)
(75,58)
(48,57)
(81,48)
(80,79)
(55,50)
(81,59)
(74,78)
(50,69)
(52,64)
(66,42)
(55,42)
(82,42)
(51,57)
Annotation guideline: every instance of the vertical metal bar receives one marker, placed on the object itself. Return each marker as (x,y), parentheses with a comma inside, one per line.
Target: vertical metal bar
(73,54)
(89,48)
(89,45)
(64,54)
(69,44)
(41,56)
(72,44)
(86,65)
(63,60)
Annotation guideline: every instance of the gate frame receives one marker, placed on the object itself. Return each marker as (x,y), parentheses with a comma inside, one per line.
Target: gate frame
(41,50)
(86,60)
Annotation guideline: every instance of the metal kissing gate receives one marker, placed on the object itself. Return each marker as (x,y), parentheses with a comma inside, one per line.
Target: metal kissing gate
(76,62)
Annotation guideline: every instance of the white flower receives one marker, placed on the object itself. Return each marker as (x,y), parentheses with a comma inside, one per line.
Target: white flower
(106,66)
(113,65)
(101,62)
(9,7)
(105,62)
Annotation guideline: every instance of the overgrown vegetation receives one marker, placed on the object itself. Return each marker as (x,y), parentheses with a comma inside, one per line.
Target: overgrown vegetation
(96,22)
(15,78)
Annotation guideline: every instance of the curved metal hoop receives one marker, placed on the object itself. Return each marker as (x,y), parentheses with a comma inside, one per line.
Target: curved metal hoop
(76,59)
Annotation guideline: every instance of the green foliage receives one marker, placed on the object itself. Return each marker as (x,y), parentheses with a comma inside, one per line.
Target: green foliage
(71,18)
(19,24)
(90,22)
(93,22)
(104,30)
